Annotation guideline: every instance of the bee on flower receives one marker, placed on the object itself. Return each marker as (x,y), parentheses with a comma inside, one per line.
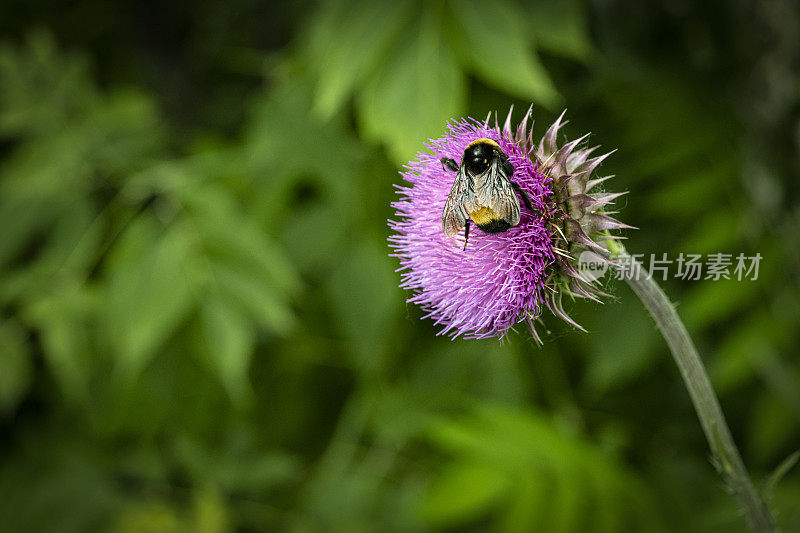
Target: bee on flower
(491,225)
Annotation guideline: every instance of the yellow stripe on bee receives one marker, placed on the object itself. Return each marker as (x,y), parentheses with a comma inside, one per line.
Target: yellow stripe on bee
(486,141)
(484,215)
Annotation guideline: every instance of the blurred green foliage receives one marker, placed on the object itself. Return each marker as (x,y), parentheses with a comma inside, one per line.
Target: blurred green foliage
(200,325)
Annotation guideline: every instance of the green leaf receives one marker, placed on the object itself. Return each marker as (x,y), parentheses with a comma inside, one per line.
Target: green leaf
(241,464)
(252,296)
(462,492)
(285,141)
(229,340)
(501,50)
(21,222)
(148,293)
(364,32)
(415,92)
(73,241)
(68,249)
(211,514)
(582,486)
(526,506)
(41,88)
(15,365)
(123,133)
(150,517)
(245,268)
(63,321)
(233,241)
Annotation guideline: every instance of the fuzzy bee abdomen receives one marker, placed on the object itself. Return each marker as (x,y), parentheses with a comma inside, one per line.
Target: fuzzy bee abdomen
(489,221)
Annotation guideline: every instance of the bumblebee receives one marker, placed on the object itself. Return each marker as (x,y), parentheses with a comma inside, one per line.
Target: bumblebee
(483,191)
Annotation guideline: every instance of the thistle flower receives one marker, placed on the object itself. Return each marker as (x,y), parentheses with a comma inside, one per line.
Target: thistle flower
(502,278)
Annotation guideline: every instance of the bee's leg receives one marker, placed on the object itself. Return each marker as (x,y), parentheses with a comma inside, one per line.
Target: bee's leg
(525,199)
(466,234)
(449,164)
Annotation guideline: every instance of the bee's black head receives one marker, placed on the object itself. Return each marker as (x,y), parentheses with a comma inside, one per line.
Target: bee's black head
(479,155)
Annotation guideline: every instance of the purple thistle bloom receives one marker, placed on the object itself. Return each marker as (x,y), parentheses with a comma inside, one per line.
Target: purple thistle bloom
(501,278)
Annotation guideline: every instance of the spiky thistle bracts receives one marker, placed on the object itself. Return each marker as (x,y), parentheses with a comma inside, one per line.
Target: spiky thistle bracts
(506,277)
(578,216)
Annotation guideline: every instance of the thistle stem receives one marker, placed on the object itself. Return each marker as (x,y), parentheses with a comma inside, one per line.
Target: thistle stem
(726,455)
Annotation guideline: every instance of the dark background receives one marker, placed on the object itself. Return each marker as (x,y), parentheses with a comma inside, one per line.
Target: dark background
(200,325)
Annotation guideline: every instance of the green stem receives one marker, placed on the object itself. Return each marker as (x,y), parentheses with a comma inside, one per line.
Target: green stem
(728,459)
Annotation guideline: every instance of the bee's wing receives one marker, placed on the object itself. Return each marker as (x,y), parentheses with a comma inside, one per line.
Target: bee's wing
(496,192)
(455,214)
